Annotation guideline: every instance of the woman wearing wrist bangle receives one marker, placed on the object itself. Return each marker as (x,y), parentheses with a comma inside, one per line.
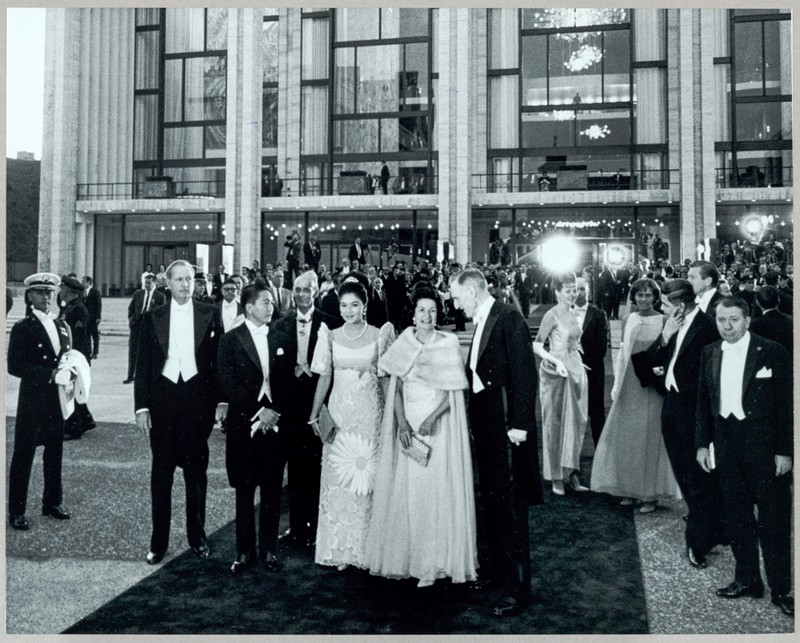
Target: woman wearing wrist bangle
(348,356)
(563,389)
(423,517)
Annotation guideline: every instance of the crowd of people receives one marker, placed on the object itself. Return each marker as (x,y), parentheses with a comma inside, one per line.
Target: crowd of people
(345,376)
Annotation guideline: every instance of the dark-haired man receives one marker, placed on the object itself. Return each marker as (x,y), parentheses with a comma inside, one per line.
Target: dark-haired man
(744,407)
(255,366)
(93,301)
(704,276)
(773,324)
(175,396)
(594,342)
(231,311)
(677,352)
(143,300)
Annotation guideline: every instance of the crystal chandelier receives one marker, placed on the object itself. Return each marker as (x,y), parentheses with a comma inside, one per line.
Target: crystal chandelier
(567,18)
(583,58)
(596,131)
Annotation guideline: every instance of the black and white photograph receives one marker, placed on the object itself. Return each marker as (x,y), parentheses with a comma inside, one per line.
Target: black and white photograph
(369,321)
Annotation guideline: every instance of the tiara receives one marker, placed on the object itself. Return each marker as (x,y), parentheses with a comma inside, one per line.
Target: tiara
(352,280)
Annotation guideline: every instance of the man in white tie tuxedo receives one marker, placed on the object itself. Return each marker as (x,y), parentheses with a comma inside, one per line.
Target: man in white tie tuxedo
(231,311)
(255,369)
(744,407)
(175,395)
(704,277)
(143,300)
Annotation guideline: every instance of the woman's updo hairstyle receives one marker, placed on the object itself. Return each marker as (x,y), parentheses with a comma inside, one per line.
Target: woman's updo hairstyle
(354,284)
(426,292)
(563,278)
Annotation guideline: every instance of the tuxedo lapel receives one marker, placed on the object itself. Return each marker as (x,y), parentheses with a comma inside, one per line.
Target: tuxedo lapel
(243,334)
(693,329)
(716,367)
(491,320)
(751,361)
(316,322)
(587,319)
(201,321)
(161,316)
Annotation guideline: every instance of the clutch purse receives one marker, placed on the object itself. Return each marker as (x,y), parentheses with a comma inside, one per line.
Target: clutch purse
(418,451)
(327,427)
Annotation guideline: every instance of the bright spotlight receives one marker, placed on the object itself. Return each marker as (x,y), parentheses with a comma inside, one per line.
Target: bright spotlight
(754,226)
(616,256)
(560,254)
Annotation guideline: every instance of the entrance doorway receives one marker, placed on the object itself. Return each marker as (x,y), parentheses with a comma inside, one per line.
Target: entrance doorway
(137,256)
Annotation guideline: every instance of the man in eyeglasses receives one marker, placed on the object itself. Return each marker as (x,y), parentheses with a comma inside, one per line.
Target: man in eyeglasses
(231,311)
(302,325)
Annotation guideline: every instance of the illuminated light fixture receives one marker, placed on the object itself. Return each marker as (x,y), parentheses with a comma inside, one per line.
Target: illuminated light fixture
(376,227)
(196,226)
(783,223)
(158,209)
(754,225)
(344,227)
(595,132)
(360,227)
(583,58)
(283,225)
(163,228)
(566,18)
(661,225)
(210,226)
(718,223)
(380,206)
(560,254)
(430,226)
(173,227)
(616,255)
(381,225)
(299,225)
(736,222)
(185,227)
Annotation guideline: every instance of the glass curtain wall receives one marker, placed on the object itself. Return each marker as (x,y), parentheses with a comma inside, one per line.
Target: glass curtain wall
(577,99)
(377,87)
(753,81)
(180,98)
(271,183)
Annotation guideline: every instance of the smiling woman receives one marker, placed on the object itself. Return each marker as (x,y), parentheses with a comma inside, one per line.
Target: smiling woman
(24,80)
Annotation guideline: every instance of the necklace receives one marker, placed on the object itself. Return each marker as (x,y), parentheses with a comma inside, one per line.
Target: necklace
(357,337)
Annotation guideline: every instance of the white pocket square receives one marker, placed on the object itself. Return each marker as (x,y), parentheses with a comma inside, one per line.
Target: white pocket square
(764,373)
(212,334)
(280,351)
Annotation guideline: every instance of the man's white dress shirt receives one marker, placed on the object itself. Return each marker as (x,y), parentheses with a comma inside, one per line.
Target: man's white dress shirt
(480,321)
(180,358)
(732,377)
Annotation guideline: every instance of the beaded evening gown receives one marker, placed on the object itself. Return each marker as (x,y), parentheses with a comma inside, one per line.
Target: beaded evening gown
(350,462)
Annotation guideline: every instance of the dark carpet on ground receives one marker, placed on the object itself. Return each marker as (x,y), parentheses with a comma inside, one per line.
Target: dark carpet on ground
(586,579)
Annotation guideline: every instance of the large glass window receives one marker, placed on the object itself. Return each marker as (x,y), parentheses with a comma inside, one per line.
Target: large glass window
(147,57)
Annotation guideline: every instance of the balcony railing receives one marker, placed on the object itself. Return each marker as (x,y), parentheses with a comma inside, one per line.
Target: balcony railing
(576,178)
(755,176)
(159,189)
(349,184)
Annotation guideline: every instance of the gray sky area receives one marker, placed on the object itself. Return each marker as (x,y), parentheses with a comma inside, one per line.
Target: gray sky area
(24,81)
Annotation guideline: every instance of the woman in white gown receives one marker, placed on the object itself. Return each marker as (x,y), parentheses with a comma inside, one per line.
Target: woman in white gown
(348,356)
(423,517)
(631,459)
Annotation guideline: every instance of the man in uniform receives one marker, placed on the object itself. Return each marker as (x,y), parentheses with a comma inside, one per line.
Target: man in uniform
(34,348)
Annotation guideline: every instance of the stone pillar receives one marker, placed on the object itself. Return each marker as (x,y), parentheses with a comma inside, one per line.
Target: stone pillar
(691,195)
(60,141)
(706,216)
(243,148)
(289,97)
(454,102)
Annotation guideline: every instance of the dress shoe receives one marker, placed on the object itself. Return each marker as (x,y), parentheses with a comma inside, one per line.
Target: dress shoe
(558,487)
(695,560)
(509,606)
(785,602)
(19,522)
(153,558)
(242,562)
(91,424)
(56,512)
(627,502)
(483,584)
(575,482)
(202,550)
(271,563)
(71,436)
(738,589)
(127,381)
(648,507)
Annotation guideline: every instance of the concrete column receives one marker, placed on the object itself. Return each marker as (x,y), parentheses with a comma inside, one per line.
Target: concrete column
(243,149)
(79,259)
(60,142)
(706,217)
(690,197)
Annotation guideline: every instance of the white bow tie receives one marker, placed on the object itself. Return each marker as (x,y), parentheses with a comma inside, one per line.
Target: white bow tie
(262,330)
(738,347)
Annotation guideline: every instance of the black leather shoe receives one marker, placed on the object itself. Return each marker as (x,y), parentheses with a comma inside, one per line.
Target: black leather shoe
(785,602)
(56,512)
(737,589)
(202,550)
(242,562)
(153,558)
(128,381)
(509,606)
(91,424)
(18,522)
(71,436)
(271,563)
(482,585)
(695,560)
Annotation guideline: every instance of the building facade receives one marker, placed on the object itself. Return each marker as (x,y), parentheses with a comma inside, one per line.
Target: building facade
(211,133)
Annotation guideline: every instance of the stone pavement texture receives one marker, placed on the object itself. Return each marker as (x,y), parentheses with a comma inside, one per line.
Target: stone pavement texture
(60,571)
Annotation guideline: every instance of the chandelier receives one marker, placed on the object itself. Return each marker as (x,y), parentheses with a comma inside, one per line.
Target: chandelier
(569,18)
(583,57)
(596,131)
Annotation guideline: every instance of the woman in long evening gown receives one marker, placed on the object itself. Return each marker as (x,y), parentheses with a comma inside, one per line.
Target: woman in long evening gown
(348,355)
(563,389)
(631,460)
(423,517)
